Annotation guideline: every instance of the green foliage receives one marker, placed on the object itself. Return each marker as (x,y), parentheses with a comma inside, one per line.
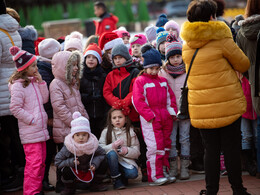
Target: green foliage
(143,14)
(129,11)
(35,18)
(90,9)
(120,12)
(22,18)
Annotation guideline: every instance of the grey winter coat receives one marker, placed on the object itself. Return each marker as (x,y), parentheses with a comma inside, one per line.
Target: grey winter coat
(247,41)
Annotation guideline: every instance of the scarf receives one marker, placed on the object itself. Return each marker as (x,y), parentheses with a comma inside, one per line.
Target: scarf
(176,71)
(80,149)
(92,74)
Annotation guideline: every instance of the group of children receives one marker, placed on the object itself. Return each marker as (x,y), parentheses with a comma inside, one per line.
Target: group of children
(116,101)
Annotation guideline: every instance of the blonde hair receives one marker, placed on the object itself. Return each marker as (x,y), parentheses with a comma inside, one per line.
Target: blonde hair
(20,75)
(91,39)
(13,13)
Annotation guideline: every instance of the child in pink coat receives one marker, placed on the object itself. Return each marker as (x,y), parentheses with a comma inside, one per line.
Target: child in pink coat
(28,94)
(155,102)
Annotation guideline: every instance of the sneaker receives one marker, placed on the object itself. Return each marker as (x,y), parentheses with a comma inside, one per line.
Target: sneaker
(118,184)
(159,181)
(223,172)
(46,186)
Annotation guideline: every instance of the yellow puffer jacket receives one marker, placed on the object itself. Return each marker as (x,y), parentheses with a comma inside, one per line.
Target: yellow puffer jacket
(215,96)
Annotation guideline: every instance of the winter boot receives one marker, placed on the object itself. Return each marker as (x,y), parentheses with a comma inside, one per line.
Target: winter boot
(184,172)
(173,172)
(97,185)
(70,188)
(171,179)
(118,184)
(59,184)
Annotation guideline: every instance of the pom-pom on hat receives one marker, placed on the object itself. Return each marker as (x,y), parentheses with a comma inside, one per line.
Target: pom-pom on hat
(48,47)
(152,57)
(172,46)
(108,40)
(161,20)
(22,58)
(150,32)
(161,37)
(79,124)
(174,25)
(138,39)
(95,50)
(160,29)
(74,40)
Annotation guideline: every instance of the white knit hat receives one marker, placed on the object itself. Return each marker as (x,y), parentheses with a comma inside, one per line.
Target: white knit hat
(79,124)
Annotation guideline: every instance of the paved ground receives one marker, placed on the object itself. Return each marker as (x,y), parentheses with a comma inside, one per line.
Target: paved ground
(187,187)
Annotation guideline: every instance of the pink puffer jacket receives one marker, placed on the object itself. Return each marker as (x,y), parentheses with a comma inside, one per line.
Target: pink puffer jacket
(27,106)
(65,97)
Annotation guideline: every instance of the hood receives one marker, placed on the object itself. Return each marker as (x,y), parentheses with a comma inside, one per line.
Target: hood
(250,27)
(19,81)
(28,33)
(198,34)
(62,65)
(8,23)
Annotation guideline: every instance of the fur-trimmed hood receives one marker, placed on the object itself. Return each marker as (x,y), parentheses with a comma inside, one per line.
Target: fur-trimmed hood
(198,34)
(28,33)
(250,27)
(62,65)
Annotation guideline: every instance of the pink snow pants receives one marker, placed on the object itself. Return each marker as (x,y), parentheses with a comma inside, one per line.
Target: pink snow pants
(35,155)
(158,141)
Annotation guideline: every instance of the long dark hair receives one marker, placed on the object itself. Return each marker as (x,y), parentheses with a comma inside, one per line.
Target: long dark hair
(110,128)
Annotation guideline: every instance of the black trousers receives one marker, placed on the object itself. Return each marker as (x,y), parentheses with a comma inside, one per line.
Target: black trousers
(196,146)
(228,140)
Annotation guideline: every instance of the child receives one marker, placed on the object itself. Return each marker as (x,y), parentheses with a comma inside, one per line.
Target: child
(155,102)
(74,42)
(106,42)
(125,35)
(175,73)
(160,43)
(150,33)
(91,89)
(28,94)
(173,28)
(81,158)
(47,48)
(122,147)
(162,19)
(136,43)
(65,96)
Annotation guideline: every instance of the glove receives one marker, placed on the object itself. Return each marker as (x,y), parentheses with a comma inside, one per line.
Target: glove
(124,150)
(117,143)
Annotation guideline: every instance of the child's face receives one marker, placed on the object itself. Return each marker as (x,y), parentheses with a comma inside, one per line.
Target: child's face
(71,49)
(136,49)
(162,48)
(81,137)
(75,68)
(91,61)
(126,39)
(119,60)
(173,31)
(109,54)
(118,119)
(153,70)
(32,70)
(175,60)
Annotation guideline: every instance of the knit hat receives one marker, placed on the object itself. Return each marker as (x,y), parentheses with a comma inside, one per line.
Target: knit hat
(2,7)
(152,57)
(74,40)
(79,124)
(138,39)
(108,40)
(160,29)
(95,50)
(161,37)
(150,32)
(48,47)
(122,33)
(121,50)
(174,25)
(22,58)
(236,25)
(161,20)
(172,46)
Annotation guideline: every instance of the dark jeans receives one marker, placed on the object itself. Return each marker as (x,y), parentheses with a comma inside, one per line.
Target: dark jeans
(11,149)
(228,140)
(116,169)
(69,177)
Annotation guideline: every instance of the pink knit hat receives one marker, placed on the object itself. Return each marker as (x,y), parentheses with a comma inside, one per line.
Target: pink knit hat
(79,124)
(174,25)
(122,33)
(22,58)
(74,41)
(138,39)
(48,47)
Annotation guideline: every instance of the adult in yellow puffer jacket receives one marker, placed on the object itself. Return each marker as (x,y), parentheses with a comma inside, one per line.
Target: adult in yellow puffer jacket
(216,99)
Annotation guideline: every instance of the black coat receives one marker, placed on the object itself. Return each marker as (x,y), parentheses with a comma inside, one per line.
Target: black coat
(91,90)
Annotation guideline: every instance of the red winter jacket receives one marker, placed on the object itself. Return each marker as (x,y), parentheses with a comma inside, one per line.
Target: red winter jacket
(106,24)
(119,86)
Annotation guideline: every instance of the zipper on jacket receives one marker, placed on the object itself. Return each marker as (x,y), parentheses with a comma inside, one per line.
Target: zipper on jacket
(40,109)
